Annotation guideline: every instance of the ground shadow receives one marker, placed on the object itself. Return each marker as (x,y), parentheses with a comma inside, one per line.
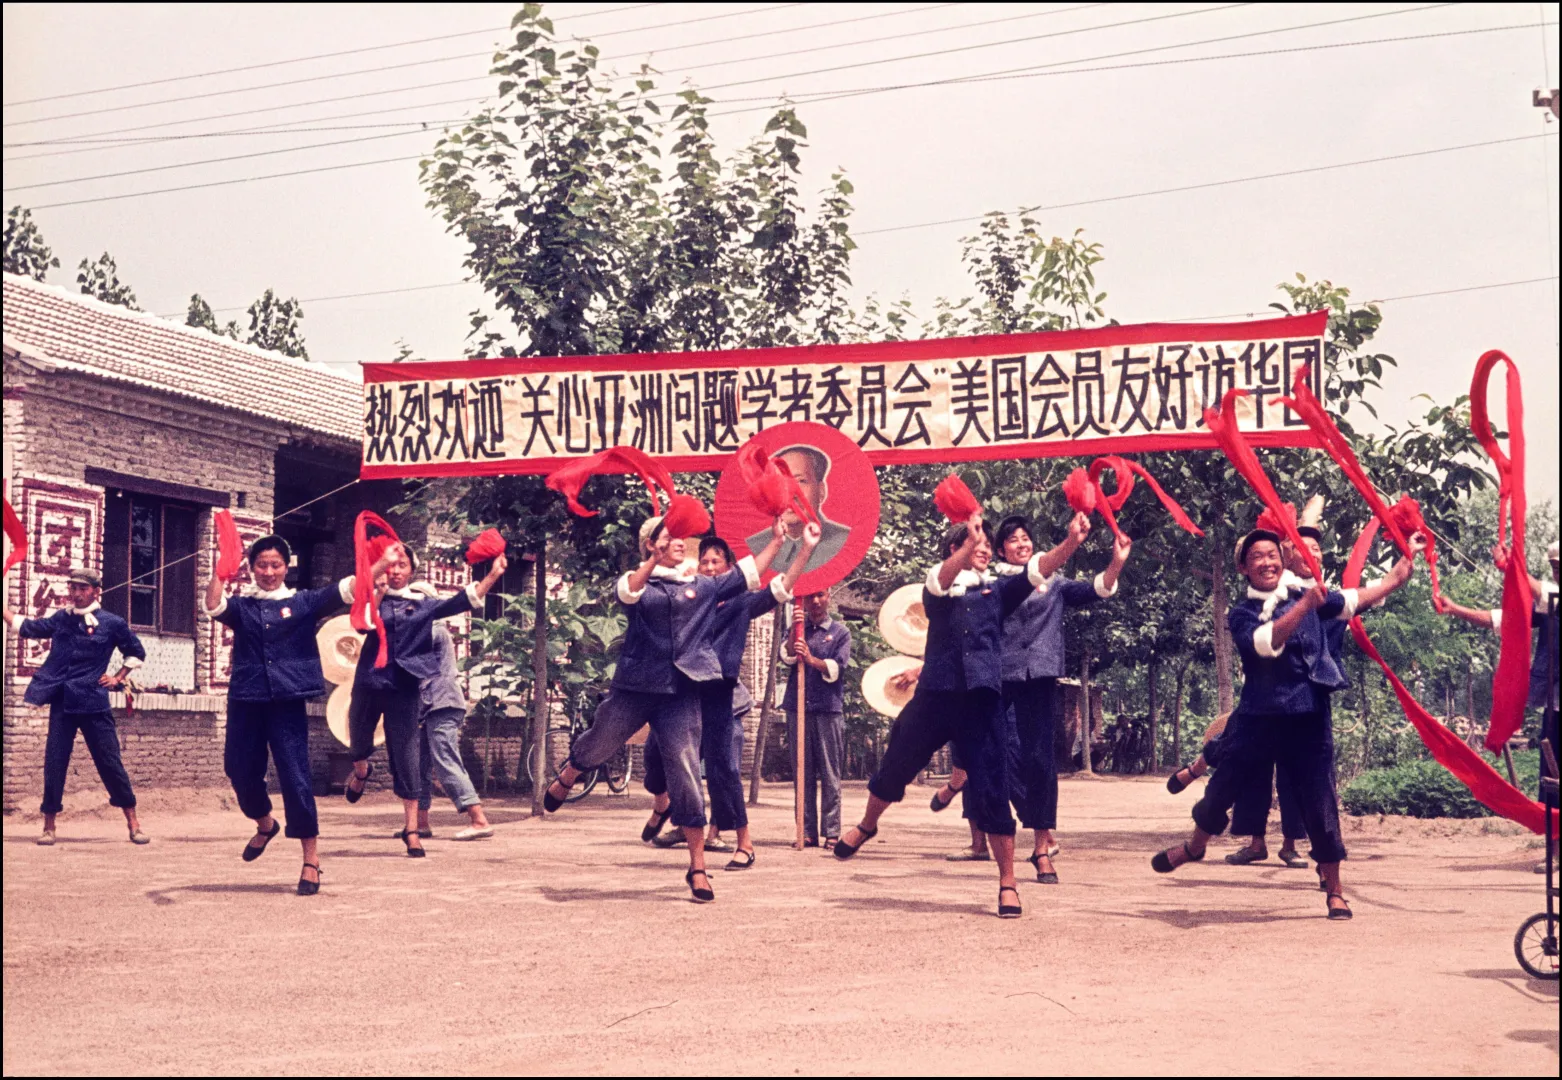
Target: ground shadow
(1541,1038)
(564,896)
(161,896)
(913,907)
(1517,866)
(1183,919)
(1534,989)
(61,840)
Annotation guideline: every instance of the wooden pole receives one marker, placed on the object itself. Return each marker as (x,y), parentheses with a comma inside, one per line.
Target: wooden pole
(1085,712)
(540,679)
(767,709)
(802,723)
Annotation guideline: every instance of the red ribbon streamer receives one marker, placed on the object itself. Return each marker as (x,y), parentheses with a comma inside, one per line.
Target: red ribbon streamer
(770,485)
(570,478)
(1125,471)
(1080,492)
(230,549)
(686,516)
(487,545)
(1223,425)
(954,500)
(1510,684)
(17,535)
(1487,785)
(367,551)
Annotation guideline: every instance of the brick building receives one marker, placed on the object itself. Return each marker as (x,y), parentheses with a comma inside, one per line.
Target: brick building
(123,433)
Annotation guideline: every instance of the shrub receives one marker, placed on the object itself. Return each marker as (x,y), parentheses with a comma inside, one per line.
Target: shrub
(1425,789)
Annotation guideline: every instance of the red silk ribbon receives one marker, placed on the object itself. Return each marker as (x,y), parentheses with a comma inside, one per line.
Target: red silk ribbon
(17,535)
(1125,471)
(1223,425)
(1080,492)
(770,485)
(230,549)
(1447,749)
(568,479)
(954,500)
(488,544)
(366,552)
(1510,684)
(686,516)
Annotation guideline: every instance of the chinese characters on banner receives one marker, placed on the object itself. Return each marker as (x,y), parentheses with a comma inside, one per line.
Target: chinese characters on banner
(1123,389)
(63,529)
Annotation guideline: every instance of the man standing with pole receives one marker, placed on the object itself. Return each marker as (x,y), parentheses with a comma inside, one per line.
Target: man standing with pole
(820,648)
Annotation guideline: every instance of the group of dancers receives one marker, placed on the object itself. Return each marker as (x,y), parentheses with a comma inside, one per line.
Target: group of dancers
(994,601)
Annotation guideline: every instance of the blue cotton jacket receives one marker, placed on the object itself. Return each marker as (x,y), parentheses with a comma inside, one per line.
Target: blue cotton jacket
(823,690)
(78,657)
(965,627)
(275,657)
(732,621)
(672,624)
(409,620)
(1033,633)
(1297,677)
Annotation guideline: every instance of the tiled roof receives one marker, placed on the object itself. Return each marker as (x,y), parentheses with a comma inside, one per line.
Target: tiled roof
(80,333)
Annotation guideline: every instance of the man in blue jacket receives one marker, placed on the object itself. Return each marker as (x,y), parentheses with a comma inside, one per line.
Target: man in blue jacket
(825,652)
(74,683)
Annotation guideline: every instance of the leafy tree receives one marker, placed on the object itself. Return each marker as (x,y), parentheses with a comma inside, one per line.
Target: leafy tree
(101,279)
(200,314)
(25,251)
(273,324)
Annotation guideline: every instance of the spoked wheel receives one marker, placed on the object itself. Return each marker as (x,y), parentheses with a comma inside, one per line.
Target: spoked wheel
(616,770)
(1535,945)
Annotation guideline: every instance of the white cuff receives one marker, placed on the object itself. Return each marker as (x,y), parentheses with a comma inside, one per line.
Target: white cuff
(132,662)
(626,595)
(16,623)
(779,590)
(345,588)
(932,583)
(832,671)
(1352,604)
(222,605)
(472,595)
(1033,571)
(1496,620)
(1263,641)
(789,661)
(1101,590)
(750,572)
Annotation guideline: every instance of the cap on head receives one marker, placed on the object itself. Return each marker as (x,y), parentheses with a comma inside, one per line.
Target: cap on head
(648,533)
(271,542)
(1249,540)
(1311,521)
(1551,552)
(86,577)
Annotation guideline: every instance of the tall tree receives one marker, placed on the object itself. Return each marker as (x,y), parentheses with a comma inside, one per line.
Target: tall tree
(101,279)
(200,314)
(273,324)
(25,251)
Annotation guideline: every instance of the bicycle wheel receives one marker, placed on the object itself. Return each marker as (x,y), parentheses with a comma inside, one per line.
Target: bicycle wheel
(616,770)
(1535,945)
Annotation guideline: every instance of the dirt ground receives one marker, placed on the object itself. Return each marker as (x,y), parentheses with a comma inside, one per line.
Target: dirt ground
(565,946)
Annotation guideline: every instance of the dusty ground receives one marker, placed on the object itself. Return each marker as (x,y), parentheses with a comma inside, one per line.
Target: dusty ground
(566,947)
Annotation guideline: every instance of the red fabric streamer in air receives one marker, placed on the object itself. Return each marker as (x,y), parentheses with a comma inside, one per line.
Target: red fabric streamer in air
(1080,492)
(488,545)
(230,549)
(686,516)
(1276,522)
(954,500)
(367,551)
(1473,771)
(770,485)
(17,535)
(568,479)
(1510,684)
(1223,425)
(1125,471)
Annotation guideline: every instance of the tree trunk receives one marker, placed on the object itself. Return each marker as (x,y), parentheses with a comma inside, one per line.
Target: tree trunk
(540,679)
(1469,694)
(1182,674)
(766,711)
(1218,604)
(1085,713)
(1366,713)
(1155,708)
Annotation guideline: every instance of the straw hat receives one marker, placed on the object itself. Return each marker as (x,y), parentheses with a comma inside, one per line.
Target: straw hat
(878,684)
(903,621)
(337,708)
(1216,726)
(339,645)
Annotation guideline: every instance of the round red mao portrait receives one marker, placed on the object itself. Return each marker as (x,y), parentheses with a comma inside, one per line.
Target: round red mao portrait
(837,480)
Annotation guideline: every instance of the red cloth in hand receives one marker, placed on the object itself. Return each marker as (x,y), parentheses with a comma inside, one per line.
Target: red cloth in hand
(1447,749)
(366,552)
(954,500)
(568,479)
(770,485)
(686,516)
(1223,425)
(1510,684)
(230,549)
(1080,491)
(1125,471)
(17,535)
(488,544)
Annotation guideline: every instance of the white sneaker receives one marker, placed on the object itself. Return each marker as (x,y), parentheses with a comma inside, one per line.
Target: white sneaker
(472,832)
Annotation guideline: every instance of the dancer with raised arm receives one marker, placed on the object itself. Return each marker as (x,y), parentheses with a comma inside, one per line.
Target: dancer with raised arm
(276,669)
(668,652)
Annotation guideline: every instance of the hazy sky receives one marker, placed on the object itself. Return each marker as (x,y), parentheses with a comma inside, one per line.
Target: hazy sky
(1421,224)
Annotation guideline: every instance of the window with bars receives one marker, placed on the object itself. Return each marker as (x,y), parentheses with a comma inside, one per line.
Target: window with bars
(149,547)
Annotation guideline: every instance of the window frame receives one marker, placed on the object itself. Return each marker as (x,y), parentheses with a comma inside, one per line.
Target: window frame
(181,625)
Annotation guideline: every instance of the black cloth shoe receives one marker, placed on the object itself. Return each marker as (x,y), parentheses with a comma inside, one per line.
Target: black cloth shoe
(251,852)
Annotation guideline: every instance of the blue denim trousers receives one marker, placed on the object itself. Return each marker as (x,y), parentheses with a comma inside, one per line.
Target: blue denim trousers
(283,728)
(675,724)
(442,758)
(98,732)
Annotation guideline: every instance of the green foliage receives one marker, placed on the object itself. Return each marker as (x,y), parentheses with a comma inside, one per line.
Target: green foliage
(273,325)
(25,251)
(101,279)
(1424,789)
(200,314)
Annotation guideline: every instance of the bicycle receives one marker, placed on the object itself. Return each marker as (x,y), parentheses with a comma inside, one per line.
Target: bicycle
(1535,944)
(616,772)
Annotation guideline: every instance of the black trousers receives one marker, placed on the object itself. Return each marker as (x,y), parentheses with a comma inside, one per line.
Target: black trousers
(971,719)
(403,747)
(1250,816)
(97,730)
(282,727)
(1033,706)
(1301,749)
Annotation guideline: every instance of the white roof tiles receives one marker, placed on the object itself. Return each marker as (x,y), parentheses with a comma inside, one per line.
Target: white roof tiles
(84,334)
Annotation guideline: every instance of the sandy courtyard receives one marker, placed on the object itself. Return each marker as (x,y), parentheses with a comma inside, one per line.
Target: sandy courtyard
(566,946)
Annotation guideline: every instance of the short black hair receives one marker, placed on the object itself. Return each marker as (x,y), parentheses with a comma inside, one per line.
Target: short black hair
(272,542)
(1008,527)
(954,538)
(1252,538)
(716,543)
(816,457)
